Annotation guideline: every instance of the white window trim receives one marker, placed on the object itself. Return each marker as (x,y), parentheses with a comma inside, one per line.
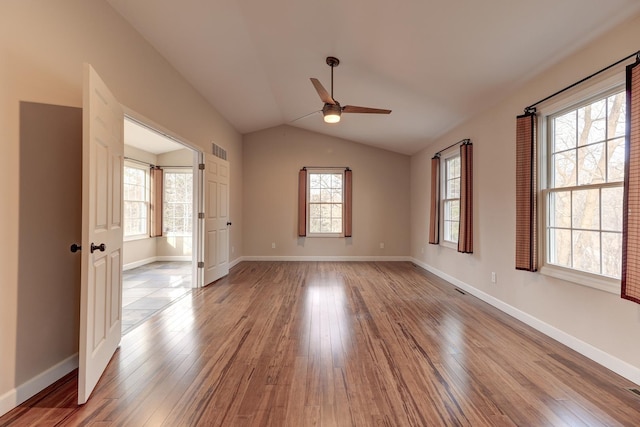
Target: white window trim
(319,171)
(147,185)
(444,156)
(597,87)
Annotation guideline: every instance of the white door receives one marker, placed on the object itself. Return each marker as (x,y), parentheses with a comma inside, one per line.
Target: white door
(216,213)
(101,282)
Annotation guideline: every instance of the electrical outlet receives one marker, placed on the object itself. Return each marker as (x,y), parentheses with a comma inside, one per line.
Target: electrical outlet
(273,245)
(381,245)
(494,279)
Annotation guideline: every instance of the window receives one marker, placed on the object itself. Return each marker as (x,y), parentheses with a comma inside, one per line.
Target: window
(451,197)
(178,203)
(136,201)
(585,171)
(326,198)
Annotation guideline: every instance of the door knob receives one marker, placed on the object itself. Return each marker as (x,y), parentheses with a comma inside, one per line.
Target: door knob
(101,247)
(75,248)
(228,223)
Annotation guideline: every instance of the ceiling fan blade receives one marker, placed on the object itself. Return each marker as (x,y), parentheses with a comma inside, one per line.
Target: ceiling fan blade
(367,110)
(324,95)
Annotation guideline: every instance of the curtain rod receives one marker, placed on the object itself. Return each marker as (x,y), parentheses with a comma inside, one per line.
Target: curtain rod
(464,141)
(326,167)
(158,166)
(532,108)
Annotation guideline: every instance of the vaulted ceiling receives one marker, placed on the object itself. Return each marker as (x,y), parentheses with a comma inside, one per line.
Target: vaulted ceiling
(433,62)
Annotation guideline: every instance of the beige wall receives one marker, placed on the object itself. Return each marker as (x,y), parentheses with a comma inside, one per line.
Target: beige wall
(272,159)
(603,321)
(43,45)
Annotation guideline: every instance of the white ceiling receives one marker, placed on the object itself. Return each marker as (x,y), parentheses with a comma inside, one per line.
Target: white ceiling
(148,140)
(433,62)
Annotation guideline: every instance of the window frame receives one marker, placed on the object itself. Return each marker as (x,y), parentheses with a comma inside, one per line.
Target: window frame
(446,155)
(340,171)
(185,171)
(575,99)
(147,190)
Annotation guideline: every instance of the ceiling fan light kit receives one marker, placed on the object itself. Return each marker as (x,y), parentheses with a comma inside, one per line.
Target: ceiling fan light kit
(332,110)
(331,113)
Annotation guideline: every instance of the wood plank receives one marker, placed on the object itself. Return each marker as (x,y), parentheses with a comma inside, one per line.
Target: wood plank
(337,344)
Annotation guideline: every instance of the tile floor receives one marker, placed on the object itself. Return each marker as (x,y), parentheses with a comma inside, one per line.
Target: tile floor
(152,287)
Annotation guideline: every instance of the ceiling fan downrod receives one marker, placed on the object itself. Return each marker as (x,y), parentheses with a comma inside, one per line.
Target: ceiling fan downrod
(332,61)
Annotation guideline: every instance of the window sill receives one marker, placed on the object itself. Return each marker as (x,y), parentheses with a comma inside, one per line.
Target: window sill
(331,235)
(606,284)
(450,245)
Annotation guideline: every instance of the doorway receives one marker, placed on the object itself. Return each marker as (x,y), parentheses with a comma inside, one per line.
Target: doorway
(159,222)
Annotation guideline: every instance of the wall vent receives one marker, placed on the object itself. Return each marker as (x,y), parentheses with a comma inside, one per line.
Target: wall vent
(634,391)
(219,152)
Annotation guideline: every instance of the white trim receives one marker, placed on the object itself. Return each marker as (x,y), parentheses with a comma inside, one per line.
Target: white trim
(137,264)
(620,367)
(325,258)
(149,260)
(35,385)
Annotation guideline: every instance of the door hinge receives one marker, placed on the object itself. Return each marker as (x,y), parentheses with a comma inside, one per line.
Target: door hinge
(200,215)
(201,166)
(200,264)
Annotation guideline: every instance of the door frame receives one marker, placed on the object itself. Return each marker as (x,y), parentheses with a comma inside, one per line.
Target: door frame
(196,241)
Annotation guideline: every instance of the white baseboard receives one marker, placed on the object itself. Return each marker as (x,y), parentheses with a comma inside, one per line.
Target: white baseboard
(326,258)
(174,258)
(236,261)
(35,385)
(139,263)
(620,367)
(146,261)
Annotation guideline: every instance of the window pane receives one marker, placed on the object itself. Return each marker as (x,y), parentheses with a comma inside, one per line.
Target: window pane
(314,211)
(336,180)
(586,209)
(451,231)
(611,248)
(325,181)
(452,210)
(564,169)
(616,122)
(336,225)
(314,225)
(616,160)
(314,180)
(592,164)
(325,196)
(586,251)
(314,195)
(564,132)
(612,208)
(336,195)
(560,205)
(336,211)
(592,123)
(560,247)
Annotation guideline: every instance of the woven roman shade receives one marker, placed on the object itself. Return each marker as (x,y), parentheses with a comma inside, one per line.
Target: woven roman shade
(631,204)
(465,233)
(434,218)
(347,206)
(157,185)
(302,202)
(526,193)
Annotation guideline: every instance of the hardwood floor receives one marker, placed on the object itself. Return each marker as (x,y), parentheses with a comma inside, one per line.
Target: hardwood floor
(338,344)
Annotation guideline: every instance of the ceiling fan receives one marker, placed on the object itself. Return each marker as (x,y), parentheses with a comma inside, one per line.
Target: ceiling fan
(332,108)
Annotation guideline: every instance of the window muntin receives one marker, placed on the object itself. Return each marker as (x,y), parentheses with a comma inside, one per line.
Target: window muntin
(585,186)
(177,210)
(451,198)
(136,201)
(325,195)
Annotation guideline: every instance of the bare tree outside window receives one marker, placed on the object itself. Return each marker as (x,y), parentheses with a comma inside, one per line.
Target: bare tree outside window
(325,202)
(586,172)
(177,212)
